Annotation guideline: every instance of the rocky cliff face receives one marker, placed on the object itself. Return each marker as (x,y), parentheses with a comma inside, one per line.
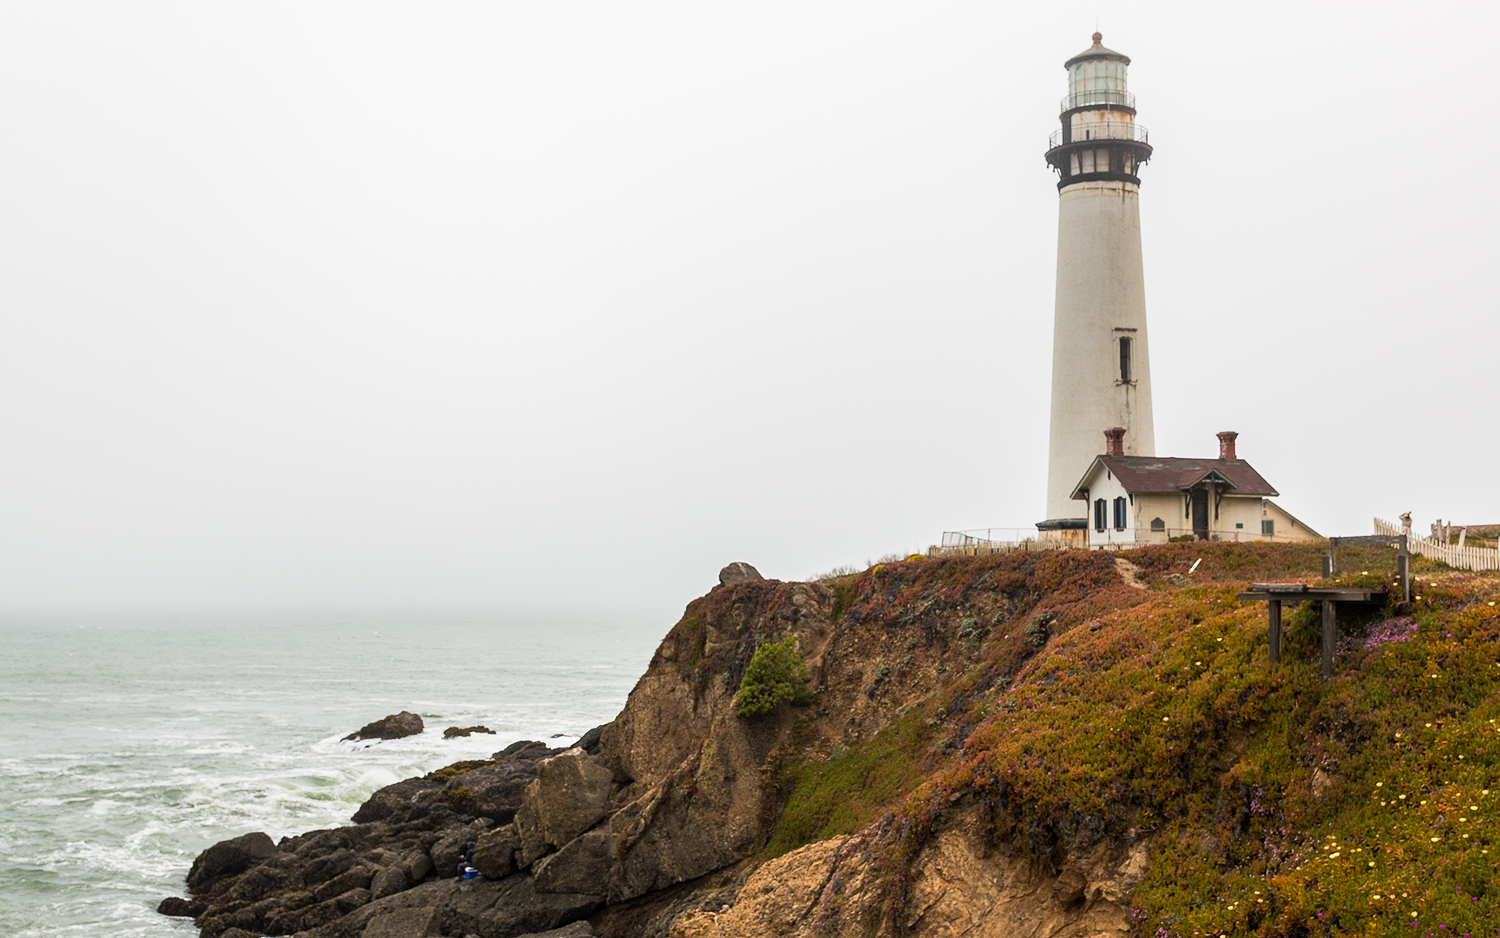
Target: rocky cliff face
(998,746)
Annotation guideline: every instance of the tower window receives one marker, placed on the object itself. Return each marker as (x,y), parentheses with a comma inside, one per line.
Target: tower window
(1099,514)
(1120,513)
(1127,374)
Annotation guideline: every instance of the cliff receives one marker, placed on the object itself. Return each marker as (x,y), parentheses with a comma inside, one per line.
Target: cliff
(1038,744)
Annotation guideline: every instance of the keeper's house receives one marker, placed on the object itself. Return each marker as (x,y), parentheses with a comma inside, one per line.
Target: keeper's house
(1151,499)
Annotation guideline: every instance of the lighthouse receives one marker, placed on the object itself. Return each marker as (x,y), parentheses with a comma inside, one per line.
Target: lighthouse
(1101,374)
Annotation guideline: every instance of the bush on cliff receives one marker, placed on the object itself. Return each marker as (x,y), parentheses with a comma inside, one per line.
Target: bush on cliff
(776,675)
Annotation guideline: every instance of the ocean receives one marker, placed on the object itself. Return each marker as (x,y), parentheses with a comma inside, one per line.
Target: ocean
(128,744)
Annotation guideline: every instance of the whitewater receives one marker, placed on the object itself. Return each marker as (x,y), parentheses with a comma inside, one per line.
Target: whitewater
(128,744)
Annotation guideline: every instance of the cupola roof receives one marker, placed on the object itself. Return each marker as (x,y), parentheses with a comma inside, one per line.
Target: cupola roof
(1097,51)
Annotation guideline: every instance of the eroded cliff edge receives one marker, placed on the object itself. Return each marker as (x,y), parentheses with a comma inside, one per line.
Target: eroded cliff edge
(995,746)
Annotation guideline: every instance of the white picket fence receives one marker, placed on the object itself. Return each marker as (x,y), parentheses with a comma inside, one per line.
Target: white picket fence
(1465,558)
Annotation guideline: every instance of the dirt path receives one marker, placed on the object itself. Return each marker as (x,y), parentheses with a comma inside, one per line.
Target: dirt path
(1130,573)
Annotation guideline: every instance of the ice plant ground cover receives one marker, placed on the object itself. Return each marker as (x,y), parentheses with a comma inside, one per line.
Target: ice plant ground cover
(1273,802)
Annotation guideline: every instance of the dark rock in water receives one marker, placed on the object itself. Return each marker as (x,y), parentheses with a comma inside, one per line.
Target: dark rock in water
(228,858)
(182,908)
(589,742)
(395,726)
(453,731)
(394,802)
(491,791)
(238,933)
(739,572)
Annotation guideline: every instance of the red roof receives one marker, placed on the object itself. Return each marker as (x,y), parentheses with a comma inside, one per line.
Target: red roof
(1152,474)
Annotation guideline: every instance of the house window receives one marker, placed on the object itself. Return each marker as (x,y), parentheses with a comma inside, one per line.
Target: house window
(1099,514)
(1120,513)
(1158,525)
(1268,527)
(1126,373)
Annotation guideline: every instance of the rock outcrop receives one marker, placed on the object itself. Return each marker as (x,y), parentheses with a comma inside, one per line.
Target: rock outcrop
(455,731)
(657,824)
(395,726)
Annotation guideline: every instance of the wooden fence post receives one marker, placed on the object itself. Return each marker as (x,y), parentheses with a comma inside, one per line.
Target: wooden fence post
(1273,612)
(1330,631)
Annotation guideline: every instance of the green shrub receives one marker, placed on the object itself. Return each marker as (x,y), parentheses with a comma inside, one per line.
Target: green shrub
(776,674)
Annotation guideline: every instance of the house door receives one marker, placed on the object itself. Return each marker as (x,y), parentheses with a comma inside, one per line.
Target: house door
(1200,514)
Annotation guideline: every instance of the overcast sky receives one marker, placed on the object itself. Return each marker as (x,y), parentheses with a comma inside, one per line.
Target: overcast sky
(498,305)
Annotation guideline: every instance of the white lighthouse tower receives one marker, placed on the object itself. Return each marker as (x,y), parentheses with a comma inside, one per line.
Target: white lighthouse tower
(1101,375)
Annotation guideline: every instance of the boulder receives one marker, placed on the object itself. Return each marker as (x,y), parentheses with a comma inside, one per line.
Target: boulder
(394,802)
(182,908)
(570,795)
(582,865)
(447,851)
(419,922)
(395,726)
(229,858)
(510,907)
(453,731)
(739,572)
(590,742)
(575,930)
(526,749)
(389,881)
(492,791)
(495,853)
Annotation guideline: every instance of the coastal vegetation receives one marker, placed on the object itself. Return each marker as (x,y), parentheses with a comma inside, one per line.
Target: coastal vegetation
(1273,802)
(776,675)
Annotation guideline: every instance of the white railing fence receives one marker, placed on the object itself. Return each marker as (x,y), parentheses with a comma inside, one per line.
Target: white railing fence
(1465,558)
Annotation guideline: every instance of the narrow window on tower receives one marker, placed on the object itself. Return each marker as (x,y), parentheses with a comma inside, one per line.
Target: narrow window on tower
(1126,373)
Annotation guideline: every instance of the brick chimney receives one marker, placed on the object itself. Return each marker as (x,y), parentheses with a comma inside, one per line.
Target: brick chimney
(1226,444)
(1114,441)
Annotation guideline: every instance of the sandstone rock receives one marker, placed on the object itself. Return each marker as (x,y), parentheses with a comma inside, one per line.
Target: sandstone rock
(582,865)
(395,726)
(570,795)
(739,572)
(418,922)
(454,731)
(228,858)
(494,853)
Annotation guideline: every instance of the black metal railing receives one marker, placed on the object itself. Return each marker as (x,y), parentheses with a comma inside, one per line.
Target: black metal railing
(1109,130)
(1086,98)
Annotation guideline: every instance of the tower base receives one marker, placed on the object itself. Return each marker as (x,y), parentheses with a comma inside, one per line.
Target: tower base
(1063,532)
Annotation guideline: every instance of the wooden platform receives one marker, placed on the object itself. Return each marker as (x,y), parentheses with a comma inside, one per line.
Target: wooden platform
(1274,594)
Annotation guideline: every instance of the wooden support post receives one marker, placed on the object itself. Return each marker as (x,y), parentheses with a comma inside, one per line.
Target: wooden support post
(1330,631)
(1273,612)
(1403,565)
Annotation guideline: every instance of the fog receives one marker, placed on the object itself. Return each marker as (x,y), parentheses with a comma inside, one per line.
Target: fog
(371,305)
